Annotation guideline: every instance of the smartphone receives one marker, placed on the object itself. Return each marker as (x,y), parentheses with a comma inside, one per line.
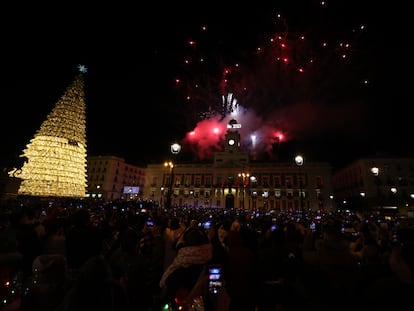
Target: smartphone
(207,225)
(215,278)
(150,223)
(394,238)
(312,226)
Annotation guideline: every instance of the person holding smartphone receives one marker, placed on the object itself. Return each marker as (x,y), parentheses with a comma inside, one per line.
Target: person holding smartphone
(182,275)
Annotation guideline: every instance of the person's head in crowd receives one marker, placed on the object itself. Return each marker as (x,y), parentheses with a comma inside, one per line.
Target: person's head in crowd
(129,240)
(235,225)
(50,269)
(194,237)
(81,217)
(174,223)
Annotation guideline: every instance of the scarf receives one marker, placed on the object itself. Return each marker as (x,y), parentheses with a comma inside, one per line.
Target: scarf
(187,256)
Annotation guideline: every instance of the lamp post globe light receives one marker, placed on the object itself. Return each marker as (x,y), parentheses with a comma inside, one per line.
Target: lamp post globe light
(299,162)
(375,171)
(175,149)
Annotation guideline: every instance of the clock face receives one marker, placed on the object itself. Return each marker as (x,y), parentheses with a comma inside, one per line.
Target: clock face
(231,142)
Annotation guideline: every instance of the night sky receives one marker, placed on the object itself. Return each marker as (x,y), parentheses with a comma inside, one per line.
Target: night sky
(329,79)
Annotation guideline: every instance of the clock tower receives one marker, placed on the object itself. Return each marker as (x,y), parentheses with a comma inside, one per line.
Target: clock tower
(232,137)
(231,155)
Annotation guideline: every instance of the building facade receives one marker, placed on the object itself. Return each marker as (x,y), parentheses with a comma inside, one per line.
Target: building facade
(232,180)
(111,178)
(376,183)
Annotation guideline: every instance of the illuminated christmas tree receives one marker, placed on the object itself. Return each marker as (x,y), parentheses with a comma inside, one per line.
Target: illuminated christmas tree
(55,164)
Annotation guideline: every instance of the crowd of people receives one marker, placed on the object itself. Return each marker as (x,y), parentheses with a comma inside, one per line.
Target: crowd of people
(129,256)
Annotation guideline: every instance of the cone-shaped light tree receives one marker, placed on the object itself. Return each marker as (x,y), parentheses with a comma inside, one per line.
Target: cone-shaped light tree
(55,158)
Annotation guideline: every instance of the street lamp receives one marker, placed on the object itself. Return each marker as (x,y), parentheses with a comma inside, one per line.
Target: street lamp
(244,177)
(375,171)
(253,181)
(169,165)
(175,149)
(299,162)
(162,196)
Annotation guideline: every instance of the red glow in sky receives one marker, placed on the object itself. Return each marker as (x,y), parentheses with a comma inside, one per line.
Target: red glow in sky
(208,135)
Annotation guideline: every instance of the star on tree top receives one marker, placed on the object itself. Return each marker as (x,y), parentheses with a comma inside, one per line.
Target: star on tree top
(82,68)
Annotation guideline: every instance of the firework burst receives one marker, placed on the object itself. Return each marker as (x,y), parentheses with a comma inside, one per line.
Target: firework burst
(296,82)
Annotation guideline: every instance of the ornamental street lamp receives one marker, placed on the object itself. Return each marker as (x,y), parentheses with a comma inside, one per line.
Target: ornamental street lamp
(375,171)
(162,196)
(244,177)
(253,191)
(175,149)
(169,165)
(299,162)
